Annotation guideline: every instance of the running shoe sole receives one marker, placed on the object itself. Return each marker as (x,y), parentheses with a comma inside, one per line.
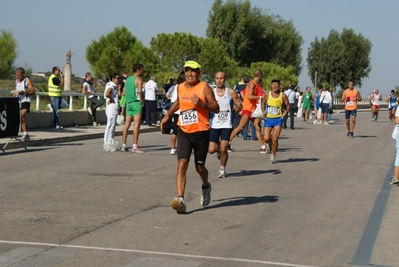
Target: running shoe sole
(178,205)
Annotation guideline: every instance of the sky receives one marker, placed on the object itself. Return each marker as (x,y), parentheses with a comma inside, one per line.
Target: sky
(45,30)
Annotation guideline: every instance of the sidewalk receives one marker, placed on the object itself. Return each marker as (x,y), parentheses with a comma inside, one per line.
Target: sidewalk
(46,136)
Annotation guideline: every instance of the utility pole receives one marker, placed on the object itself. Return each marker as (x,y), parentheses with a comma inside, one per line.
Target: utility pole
(67,72)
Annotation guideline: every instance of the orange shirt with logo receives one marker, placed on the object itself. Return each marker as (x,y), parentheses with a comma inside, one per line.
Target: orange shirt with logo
(192,118)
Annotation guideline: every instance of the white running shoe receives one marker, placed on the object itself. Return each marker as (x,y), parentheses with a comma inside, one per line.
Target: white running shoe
(222,174)
(179,205)
(173,151)
(273,159)
(206,195)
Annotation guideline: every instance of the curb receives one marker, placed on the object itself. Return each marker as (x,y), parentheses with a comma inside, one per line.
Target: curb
(13,144)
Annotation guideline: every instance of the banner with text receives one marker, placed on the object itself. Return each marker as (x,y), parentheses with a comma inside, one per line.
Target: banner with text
(9,117)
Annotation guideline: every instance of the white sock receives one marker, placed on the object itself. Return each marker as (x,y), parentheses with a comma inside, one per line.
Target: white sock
(123,145)
(134,146)
(263,147)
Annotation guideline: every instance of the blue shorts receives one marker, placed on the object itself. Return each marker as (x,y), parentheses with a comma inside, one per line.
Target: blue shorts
(223,134)
(324,107)
(273,122)
(392,107)
(349,113)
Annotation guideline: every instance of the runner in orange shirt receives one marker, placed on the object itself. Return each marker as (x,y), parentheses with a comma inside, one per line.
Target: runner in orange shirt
(195,99)
(251,98)
(350,98)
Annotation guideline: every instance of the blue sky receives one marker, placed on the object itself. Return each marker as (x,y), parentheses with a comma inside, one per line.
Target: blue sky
(45,29)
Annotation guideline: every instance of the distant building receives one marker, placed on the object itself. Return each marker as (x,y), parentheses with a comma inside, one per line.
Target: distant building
(41,74)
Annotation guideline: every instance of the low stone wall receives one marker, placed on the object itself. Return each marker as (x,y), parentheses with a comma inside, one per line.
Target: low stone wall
(44,119)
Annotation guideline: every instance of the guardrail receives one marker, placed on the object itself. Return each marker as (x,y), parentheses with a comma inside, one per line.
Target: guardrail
(71,96)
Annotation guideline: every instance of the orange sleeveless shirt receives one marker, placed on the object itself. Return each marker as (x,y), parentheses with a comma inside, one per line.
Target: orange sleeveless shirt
(192,118)
(350,99)
(250,105)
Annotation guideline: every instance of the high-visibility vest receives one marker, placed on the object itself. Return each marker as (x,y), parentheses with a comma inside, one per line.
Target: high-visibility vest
(53,90)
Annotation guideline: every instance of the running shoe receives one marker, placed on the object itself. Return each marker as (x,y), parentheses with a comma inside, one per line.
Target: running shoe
(394,181)
(263,150)
(348,134)
(137,150)
(352,135)
(229,149)
(206,195)
(59,127)
(273,159)
(124,149)
(222,174)
(173,151)
(25,137)
(179,205)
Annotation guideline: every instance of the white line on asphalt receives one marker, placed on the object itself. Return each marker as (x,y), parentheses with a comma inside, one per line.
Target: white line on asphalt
(154,252)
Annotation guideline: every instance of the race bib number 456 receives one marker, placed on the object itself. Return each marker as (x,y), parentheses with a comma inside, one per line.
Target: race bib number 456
(188,117)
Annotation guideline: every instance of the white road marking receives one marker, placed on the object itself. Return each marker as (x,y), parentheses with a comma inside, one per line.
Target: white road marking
(155,253)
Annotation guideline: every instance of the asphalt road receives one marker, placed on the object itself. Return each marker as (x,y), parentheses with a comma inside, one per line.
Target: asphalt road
(325,203)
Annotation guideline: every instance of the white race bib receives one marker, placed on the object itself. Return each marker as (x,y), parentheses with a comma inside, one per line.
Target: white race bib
(272,110)
(224,115)
(350,103)
(188,117)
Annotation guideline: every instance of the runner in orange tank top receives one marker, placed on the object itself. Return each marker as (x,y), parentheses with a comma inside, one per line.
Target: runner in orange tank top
(350,97)
(195,99)
(249,104)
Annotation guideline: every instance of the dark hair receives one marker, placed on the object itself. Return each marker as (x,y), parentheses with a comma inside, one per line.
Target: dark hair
(245,78)
(181,78)
(172,81)
(21,70)
(113,75)
(137,66)
(87,74)
(276,81)
(392,91)
(55,68)
(320,86)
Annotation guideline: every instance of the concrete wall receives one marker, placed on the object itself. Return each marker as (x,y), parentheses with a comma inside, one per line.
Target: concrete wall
(44,119)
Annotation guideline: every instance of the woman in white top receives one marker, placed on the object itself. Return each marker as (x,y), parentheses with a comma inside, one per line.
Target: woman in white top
(88,89)
(325,105)
(23,90)
(111,95)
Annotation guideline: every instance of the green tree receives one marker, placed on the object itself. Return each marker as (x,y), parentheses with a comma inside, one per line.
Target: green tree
(340,58)
(8,53)
(250,35)
(115,52)
(273,71)
(172,50)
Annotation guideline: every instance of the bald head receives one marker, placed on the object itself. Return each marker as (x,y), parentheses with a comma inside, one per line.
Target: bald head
(258,73)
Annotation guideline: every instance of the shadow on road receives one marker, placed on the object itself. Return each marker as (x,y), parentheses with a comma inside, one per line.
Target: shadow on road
(252,172)
(297,160)
(238,201)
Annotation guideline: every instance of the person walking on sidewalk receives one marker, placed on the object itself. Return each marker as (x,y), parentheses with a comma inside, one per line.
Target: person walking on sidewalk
(23,90)
(195,100)
(134,105)
(221,123)
(88,89)
(350,97)
(111,95)
(292,99)
(55,81)
(150,102)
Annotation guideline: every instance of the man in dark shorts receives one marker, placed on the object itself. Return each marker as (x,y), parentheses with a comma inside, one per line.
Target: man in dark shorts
(195,99)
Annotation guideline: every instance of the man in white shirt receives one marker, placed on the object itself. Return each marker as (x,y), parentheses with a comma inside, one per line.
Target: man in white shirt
(291,94)
(150,102)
